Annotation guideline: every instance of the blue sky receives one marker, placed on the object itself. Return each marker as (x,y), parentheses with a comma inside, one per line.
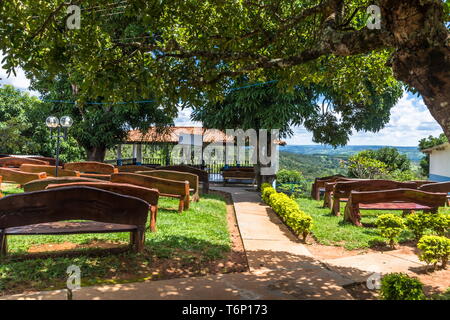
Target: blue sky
(410,121)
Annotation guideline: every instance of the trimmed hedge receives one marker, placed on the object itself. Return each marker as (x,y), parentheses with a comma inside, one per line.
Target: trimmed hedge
(288,210)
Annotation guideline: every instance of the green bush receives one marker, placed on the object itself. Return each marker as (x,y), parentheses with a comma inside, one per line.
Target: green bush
(434,249)
(290,213)
(265,185)
(418,223)
(289,176)
(440,223)
(390,226)
(266,193)
(399,286)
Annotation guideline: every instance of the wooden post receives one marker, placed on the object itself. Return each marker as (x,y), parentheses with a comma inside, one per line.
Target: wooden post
(119,154)
(139,154)
(137,238)
(3,243)
(153,216)
(134,153)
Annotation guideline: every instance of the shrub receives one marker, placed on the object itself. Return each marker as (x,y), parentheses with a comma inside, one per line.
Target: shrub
(418,223)
(399,286)
(434,249)
(290,213)
(289,176)
(439,223)
(265,185)
(390,226)
(266,193)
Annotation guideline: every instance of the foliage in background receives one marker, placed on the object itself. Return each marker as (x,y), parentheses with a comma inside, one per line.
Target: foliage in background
(384,163)
(98,127)
(362,167)
(23,129)
(426,143)
(400,286)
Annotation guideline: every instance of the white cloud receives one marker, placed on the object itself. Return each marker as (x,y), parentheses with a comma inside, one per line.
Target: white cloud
(19,81)
(410,121)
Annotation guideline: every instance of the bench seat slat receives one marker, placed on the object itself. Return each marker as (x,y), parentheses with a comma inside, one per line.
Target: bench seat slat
(62,228)
(393,206)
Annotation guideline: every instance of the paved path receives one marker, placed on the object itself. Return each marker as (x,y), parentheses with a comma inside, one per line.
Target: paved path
(280,268)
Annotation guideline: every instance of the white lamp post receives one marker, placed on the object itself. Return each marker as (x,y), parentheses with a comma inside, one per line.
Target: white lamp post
(55,123)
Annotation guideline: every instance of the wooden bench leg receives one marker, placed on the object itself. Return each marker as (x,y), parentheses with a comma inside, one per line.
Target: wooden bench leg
(181,205)
(3,244)
(205,187)
(138,239)
(186,202)
(153,216)
(336,207)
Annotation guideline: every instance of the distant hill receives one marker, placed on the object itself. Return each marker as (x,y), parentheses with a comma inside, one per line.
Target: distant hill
(413,153)
(311,166)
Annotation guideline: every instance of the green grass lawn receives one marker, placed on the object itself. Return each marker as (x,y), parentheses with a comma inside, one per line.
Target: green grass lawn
(184,243)
(329,229)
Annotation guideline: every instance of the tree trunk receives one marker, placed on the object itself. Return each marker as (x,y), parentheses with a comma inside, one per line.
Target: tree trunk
(422,56)
(96,153)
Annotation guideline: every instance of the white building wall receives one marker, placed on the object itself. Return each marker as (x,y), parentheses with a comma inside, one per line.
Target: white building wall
(440,164)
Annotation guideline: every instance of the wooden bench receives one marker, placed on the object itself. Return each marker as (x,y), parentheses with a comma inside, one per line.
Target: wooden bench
(149,195)
(37,185)
(166,188)
(92,169)
(203,175)
(396,199)
(238,173)
(177,176)
(16,162)
(19,177)
(328,190)
(319,184)
(343,189)
(50,170)
(437,187)
(47,213)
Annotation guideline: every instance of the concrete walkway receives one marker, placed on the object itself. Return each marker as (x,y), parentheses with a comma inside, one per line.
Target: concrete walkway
(280,267)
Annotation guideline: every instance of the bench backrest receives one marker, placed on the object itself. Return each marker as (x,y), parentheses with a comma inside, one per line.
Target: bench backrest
(238,174)
(202,174)
(174,175)
(16,162)
(420,183)
(343,189)
(436,187)
(320,182)
(424,198)
(91,167)
(164,186)
(51,161)
(329,186)
(132,168)
(41,184)
(50,170)
(71,203)
(149,195)
(20,177)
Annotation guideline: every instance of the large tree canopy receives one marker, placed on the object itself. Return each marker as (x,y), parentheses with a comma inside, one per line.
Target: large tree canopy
(98,126)
(183,48)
